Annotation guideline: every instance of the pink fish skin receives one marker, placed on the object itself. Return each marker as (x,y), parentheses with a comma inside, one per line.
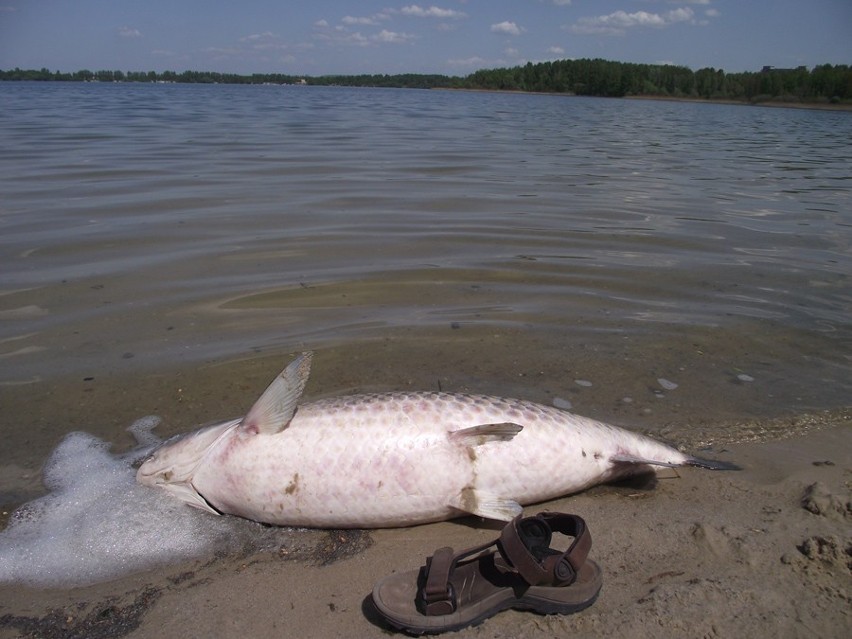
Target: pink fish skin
(394,459)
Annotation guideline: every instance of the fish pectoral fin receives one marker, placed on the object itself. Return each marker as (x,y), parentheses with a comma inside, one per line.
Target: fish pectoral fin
(272,412)
(186,492)
(482,433)
(488,505)
(633,459)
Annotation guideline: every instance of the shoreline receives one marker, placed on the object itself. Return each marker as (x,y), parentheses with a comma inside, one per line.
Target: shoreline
(821,106)
(683,556)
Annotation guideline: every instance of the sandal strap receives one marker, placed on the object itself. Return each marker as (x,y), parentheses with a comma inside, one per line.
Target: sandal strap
(553,567)
(437,595)
(577,553)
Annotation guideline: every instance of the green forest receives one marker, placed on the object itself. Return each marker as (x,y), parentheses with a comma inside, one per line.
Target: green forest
(823,84)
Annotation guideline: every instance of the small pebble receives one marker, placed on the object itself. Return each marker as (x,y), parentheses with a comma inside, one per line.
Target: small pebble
(627,400)
(582,382)
(564,404)
(745,378)
(666,384)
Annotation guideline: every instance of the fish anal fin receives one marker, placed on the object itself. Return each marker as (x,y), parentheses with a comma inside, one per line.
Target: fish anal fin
(624,458)
(712,464)
(482,433)
(274,409)
(487,505)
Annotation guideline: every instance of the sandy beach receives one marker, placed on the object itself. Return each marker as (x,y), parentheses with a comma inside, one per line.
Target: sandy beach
(763,552)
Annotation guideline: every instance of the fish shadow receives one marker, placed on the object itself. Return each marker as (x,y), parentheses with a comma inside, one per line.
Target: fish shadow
(645,480)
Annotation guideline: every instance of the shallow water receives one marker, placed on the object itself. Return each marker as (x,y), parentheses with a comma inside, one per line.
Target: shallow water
(155,228)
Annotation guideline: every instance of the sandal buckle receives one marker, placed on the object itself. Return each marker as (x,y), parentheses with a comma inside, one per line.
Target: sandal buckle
(563,571)
(435,602)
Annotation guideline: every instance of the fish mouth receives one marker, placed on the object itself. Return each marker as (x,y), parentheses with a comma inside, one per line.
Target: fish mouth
(146,476)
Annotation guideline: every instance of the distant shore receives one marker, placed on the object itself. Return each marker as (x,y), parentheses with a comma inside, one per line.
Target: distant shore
(823,106)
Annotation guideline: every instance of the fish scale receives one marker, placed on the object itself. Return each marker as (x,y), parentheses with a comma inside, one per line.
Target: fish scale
(394,459)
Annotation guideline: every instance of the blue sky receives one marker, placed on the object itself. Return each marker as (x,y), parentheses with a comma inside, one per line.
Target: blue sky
(455,37)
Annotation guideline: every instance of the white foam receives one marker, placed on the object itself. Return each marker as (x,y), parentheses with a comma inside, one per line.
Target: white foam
(97,523)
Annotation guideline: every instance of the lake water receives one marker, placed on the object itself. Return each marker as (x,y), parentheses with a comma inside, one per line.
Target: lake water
(671,264)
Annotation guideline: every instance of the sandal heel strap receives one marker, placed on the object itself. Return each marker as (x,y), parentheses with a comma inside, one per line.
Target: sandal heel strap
(572,526)
(554,568)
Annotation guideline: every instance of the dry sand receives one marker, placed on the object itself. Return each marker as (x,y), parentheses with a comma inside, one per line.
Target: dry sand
(764,552)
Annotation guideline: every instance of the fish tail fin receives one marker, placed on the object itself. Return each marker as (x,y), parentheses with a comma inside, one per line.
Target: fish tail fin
(711,464)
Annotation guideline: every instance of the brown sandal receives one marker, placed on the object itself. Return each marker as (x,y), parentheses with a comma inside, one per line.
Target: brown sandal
(453,591)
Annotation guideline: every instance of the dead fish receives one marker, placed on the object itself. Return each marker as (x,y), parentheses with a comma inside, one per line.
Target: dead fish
(394,459)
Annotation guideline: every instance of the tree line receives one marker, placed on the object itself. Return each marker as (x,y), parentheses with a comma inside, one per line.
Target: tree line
(619,79)
(591,77)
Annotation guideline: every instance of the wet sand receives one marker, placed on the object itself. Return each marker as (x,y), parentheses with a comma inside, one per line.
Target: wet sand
(763,552)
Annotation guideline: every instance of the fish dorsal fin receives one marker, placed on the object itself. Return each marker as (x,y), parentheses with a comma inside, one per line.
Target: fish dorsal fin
(482,433)
(272,412)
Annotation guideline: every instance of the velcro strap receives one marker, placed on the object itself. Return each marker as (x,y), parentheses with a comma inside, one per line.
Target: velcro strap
(437,592)
(517,554)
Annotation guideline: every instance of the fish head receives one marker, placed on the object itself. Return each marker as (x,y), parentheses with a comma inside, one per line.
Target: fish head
(172,465)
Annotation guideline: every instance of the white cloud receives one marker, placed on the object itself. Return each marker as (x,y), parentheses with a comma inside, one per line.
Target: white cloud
(561,3)
(352,20)
(127,32)
(392,37)
(321,24)
(556,50)
(474,61)
(683,14)
(618,22)
(266,41)
(366,20)
(432,12)
(220,52)
(354,39)
(506,28)
(255,37)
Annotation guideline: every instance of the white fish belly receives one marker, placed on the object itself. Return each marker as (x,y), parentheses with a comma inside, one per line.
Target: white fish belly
(388,460)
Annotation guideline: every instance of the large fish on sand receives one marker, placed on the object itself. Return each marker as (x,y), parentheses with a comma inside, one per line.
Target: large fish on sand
(394,459)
